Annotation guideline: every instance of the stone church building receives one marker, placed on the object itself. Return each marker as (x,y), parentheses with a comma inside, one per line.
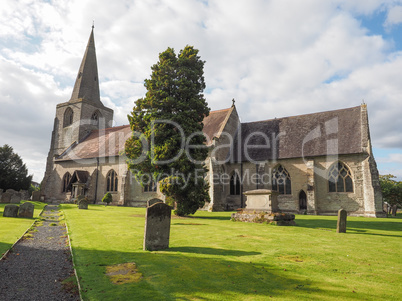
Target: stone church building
(317,163)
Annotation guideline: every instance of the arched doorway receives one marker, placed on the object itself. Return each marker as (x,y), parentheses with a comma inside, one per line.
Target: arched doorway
(302,200)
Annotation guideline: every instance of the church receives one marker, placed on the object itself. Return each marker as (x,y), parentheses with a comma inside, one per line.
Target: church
(317,163)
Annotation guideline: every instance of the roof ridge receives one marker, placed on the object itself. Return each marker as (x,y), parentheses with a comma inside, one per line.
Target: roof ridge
(309,114)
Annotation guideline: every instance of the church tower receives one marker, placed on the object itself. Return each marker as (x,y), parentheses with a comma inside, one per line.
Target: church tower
(84,112)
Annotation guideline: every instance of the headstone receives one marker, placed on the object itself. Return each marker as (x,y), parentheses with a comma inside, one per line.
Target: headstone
(341,225)
(10,211)
(394,210)
(26,210)
(153,201)
(15,198)
(157,227)
(35,196)
(83,204)
(24,194)
(6,197)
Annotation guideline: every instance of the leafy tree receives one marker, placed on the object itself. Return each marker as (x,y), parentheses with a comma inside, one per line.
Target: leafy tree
(108,198)
(13,172)
(391,190)
(167,145)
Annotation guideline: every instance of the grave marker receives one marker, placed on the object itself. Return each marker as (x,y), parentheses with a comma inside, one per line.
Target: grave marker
(157,227)
(341,225)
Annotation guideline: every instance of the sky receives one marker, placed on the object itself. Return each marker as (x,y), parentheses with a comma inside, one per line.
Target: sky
(276,58)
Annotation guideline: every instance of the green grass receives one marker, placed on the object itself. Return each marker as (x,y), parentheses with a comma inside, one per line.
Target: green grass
(12,228)
(213,258)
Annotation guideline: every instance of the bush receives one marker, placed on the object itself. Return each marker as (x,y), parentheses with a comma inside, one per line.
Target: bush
(107,198)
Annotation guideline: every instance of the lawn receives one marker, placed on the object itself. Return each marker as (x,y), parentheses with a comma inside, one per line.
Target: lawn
(213,258)
(11,228)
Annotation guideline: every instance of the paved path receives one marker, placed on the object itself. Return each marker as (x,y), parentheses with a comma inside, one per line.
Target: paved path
(36,267)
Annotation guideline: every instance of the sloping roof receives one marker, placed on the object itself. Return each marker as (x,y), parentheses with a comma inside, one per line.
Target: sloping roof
(214,123)
(79,176)
(318,134)
(99,143)
(87,82)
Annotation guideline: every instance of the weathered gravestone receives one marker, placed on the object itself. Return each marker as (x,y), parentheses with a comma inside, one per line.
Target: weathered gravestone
(341,225)
(35,196)
(153,201)
(83,204)
(157,227)
(16,198)
(6,197)
(26,210)
(24,194)
(10,211)
(394,210)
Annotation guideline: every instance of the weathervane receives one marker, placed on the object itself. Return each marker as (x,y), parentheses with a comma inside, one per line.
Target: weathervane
(233,102)
(93,24)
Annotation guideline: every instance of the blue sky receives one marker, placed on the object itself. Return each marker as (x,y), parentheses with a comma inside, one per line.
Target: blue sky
(276,58)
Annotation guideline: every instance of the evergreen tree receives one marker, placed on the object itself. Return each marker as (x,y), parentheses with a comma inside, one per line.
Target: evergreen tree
(167,145)
(13,172)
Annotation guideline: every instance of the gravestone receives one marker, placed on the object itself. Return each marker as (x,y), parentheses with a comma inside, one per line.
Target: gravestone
(341,225)
(26,210)
(10,211)
(83,204)
(24,194)
(6,197)
(153,201)
(394,210)
(15,198)
(35,196)
(157,227)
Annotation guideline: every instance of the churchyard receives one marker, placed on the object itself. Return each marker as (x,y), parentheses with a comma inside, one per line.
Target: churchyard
(211,257)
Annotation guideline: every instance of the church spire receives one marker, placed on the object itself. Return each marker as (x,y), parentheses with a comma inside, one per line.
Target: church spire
(87,83)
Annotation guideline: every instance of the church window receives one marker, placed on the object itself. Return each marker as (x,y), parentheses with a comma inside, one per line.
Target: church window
(111,181)
(68,117)
(150,186)
(66,181)
(281,180)
(235,184)
(95,118)
(340,178)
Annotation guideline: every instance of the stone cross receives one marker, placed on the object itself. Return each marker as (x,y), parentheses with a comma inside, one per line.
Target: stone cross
(157,227)
(341,225)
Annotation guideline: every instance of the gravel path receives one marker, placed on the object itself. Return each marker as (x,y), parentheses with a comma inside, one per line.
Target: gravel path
(36,267)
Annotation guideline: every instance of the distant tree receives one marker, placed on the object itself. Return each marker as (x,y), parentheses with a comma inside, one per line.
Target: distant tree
(13,172)
(166,121)
(391,190)
(108,198)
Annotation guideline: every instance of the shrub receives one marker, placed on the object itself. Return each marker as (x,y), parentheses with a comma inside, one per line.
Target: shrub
(107,198)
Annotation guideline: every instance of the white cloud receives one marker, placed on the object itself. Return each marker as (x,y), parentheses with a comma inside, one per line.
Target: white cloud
(394,16)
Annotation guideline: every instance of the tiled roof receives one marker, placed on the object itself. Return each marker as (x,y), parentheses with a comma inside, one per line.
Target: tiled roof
(214,123)
(318,134)
(99,143)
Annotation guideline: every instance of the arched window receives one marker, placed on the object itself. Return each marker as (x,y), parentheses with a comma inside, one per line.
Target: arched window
(150,186)
(340,178)
(281,180)
(235,184)
(95,118)
(68,117)
(111,181)
(66,181)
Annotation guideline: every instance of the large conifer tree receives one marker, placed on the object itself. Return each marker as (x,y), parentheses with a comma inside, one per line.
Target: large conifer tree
(167,143)
(13,172)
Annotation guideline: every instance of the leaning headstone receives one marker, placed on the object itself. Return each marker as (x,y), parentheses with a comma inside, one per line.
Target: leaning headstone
(10,211)
(15,198)
(341,225)
(153,201)
(35,196)
(26,210)
(157,227)
(6,197)
(394,210)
